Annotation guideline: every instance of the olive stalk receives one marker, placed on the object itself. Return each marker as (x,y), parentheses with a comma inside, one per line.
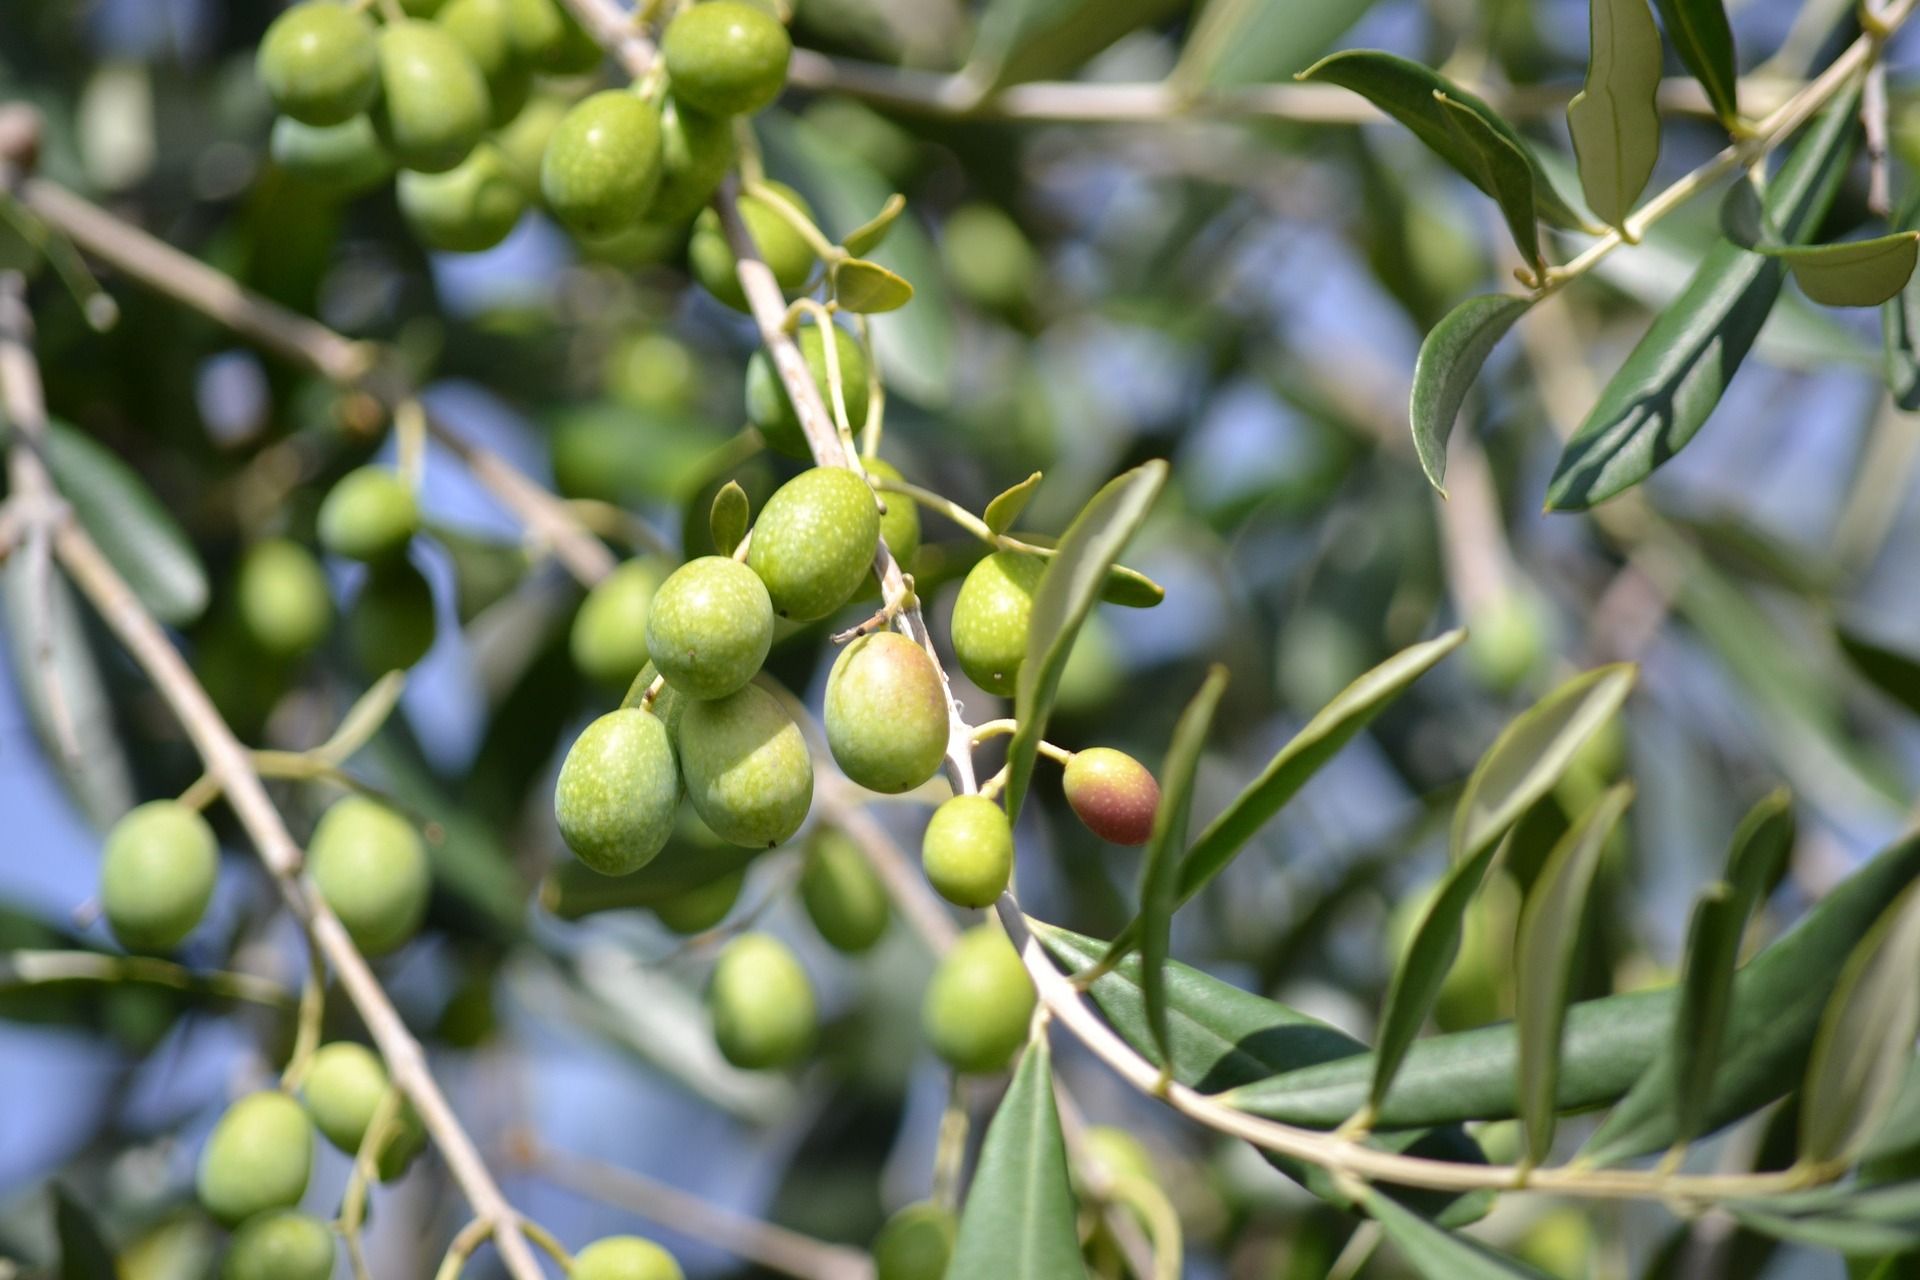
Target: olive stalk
(20,970)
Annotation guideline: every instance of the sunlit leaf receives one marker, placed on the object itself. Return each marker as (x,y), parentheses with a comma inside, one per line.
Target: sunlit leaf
(728,517)
(1856,273)
(868,236)
(1450,359)
(1247,42)
(1865,1042)
(1019,1219)
(1614,119)
(1442,1255)
(133,530)
(1006,507)
(1699,31)
(1506,172)
(868,287)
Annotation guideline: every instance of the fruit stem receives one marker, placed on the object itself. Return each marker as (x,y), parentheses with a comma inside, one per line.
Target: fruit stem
(313,1008)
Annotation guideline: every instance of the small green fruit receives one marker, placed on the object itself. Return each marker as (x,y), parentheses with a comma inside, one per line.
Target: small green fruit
(624,1258)
(471,207)
(257,1158)
(319,64)
(710,627)
(726,57)
(339,160)
(770,408)
(603,163)
(285,1245)
(783,248)
(696,150)
(989,259)
(392,623)
(900,526)
(281,595)
(979,1002)
(577,53)
(698,910)
(764,1014)
(1118,1154)
(748,771)
(157,875)
(617,792)
(1505,642)
(916,1243)
(369,515)
(434,106)
(886,713)
(609,638)
(372,871)
(814,542)
(1113,794)
(343,1088)
(843,896)
(536,30)
(968,851)
(992,616)
(522,142)
(652,371)
(482,29)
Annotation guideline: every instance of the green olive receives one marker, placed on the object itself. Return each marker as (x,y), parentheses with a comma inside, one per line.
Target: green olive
(1506,641)
(372,870)
(522,141)
(989,259)
(283,1245)
(471,207)
(280,593)
(696,150)
(900,526)
(434,106)
(1113,794)
(319,63)
(841,892)
(482,28)
(1118,1154)
(764,1012)
(536,30)
(748,771)
(782,246)
(726,57)
(992,616)
(979,1002)
(343,1088)
(652,371)
(624,1258)
(392,623)
(770,408)
(617,792)
(968,851)
(886,713)
(609,637)
(710,627)
(814,542)
(157,875)
(915,1243)
(698,910)
(369,514)
(577,53)
(603,163)
(257,1158)
(339,160)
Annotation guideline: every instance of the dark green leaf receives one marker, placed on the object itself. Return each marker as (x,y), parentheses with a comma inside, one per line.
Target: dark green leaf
(1847,1218)
(1855,273)
(1450,359)
(868,236)
(728,517)
(1865,1042)
(1442,1255)
(1506,172)
(1699,31)
(1614,119)
(1019,1220)
(134,531)
(1006,507)
(84,1251)
(1900,322)
(1743,216)
(1896,674)
(868,287)
(1131,589)
(1023,40)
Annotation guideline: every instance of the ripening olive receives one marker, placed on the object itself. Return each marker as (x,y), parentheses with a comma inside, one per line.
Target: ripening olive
(979,1002)
(257,1158)
(968,851)
(991,618)
(747,768)
(770,408)
(603,163)
(319,64)
(369,514)
(1506,641)
(522,142)
(284,1245)
(696,149)
(157,875)
(343,1087)
(421,8)
(280,593)
(1113,794)
(1118,1154)
(710,626)
(535,29)
(900,526)
(470,207)
(434,105)
(578,51)
(726,57)
(652,371)
(482,29)
(988,258)
(783,248)
(372,870)
(915,1243)
(764,1014)
(624,1258)
(340,160)
(814,542)
(843,896)
(392,623)
(609,638)
(700,909)
(617,792)
(886,713)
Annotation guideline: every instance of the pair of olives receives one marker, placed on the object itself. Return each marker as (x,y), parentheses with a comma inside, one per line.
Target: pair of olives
(371,515)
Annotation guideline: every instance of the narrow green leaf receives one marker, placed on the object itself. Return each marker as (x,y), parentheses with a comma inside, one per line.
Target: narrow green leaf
(1407,91)
(1072,581)
(134,531)
(1895,673)
(1131,589)
(1743,216)
(364,718)
(1675,376)
(1022,40)
(84,1251)
(1614,119)
(1847,1218)
(1442,1255)
(1243,42)
(1506,173)
(1019,1220)
(1006,507)
(868,236)
(1450,359)
(1865,1042)
(1699,31)
(868,287)
(728,517)
(1854,273)
(1543,961)
(1900,321)
(1761,846)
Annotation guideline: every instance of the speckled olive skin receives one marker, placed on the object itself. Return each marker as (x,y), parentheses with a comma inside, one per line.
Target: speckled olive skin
(979,1002)
(280,1246)
(726,57)
(157,875)
(764,1012)
(257,1158)
(603,163)
(609,637)
(696,150)
(916,1243)
(814,542)
(617,792)
(698,910)
(434,106)
(886,713)
(281,596)
(342,1090)
(1113,794)
(710,627)
(483,29)
(372,870)
(391,625)
(771,410)
(992,617)
(967,851)
(843,896)
(319,63)
(369,515)
(624,1258)
(900,526)
(785,250)
(471,207)
(748,771)
(339,160)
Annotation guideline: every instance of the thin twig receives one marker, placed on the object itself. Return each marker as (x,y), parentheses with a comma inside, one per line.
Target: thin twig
(23,969)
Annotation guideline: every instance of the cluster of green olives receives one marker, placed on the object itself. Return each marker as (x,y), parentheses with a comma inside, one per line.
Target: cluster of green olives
(371,515)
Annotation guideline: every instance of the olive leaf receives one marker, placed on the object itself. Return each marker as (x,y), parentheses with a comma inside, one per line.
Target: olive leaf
(1855,273)
(1506,172)
(137,534)
(1019,1222)
(84,1251)
(868,287)
(1252,42)
(1615,119)
(1849,1218)
(1006,507)
(1893,672)
(1438,1254)
(1450,359)
(728,517)
(1021,40)
(868,236)
(1699,31)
